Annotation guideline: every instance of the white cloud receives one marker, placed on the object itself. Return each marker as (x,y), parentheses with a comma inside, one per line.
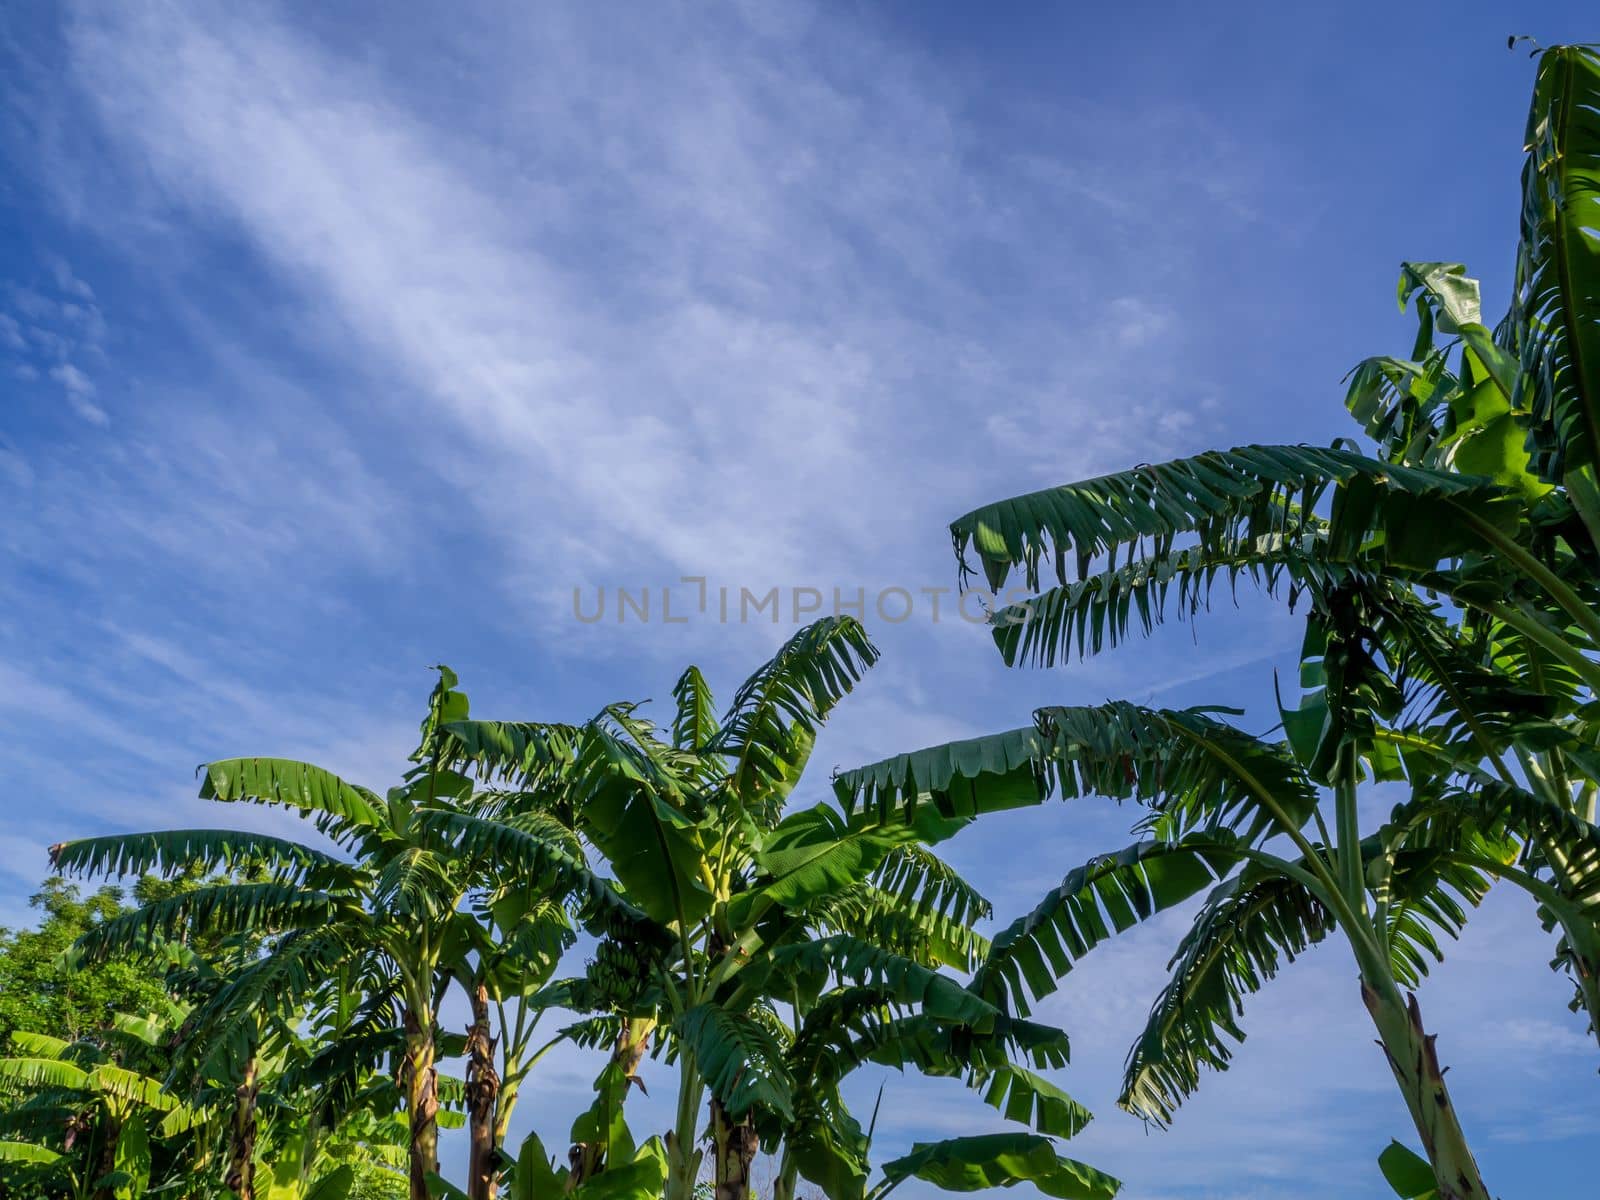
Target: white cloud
(14,467)
(80,392)
(702,311)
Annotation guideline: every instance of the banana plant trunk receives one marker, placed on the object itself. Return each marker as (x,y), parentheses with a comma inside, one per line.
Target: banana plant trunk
(482,1097)
(734,1144)
(420,1086)
(505,1104)
(586,1159)
(683,1155)
(633,1043)
(783,1187)
(241,1176)
(1415,1063)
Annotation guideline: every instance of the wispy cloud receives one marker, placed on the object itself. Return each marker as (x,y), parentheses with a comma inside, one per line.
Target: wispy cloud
(56,330)
(720,311)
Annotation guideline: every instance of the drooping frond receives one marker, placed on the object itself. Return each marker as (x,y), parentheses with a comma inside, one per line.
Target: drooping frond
(738,1058)
(36,1114)
(177,850)
(1229,499)
(335,1073)
(216,910)
(825,1046)
(1402,404)
(1249,926)
(418,882)
(336,1184)
(132,1087)
(818,852)
(1086,616)
(43,1073)
(1456,842)
(856,1025)
(151,1030)
(1034,1101)
(907,981)
(295,785)
(638,806)
(916,931)
(591,1033)
(1045,1046)
(224,1030)
(1462,708)
(973,1164)
(39,1045)
(828,1146)
(25,1152)
(916,875)
(533,938)
(945,787)
(1427,898)
(1192,770)
(519,751)
(540,860)
(1108,894)
(1492,806)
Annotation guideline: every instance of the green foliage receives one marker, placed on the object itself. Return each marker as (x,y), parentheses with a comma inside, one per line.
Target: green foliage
(1108,894)
(1408,1173)
(1557,289)
(1250,925)
(1481,489)
(741,1061)
(972,1164)
(771,954)
(74,1113)
(1230,501)
(280,1002)
(39,994)
(941,789)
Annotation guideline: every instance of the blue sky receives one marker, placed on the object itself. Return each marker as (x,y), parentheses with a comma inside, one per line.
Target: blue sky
(335,343)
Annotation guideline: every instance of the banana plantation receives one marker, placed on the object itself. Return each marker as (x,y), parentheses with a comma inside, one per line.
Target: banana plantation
(359,1009)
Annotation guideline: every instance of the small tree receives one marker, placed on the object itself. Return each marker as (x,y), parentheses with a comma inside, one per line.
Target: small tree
(391,919)
(773,953)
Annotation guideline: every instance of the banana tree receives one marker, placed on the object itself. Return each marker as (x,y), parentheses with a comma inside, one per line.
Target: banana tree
(1284,865)
(527,936)
(766,935)
(1391,694)
(84,1116)
(1480,490)
(1485,458)
(320,1113)
(389,907)
(1462,402)
(1550,327)
(624,1171)
(856,1025)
